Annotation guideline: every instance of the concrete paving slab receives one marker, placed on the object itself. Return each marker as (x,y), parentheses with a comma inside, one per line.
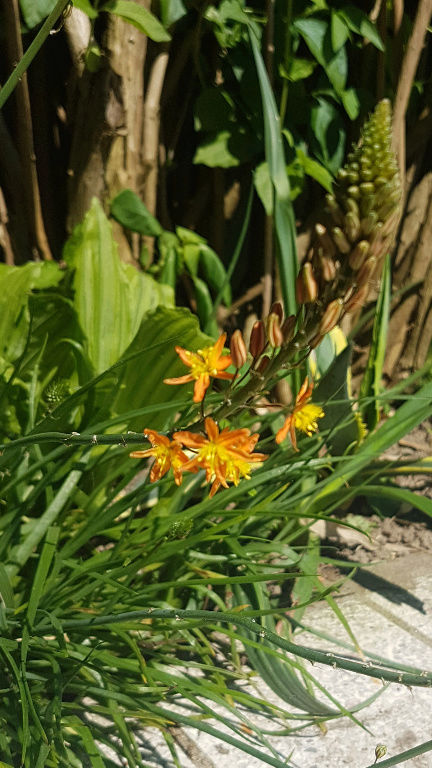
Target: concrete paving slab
(389,609)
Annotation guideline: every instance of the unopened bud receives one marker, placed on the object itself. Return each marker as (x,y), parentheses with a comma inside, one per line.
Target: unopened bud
(366,271)
(358,255)
(334,210)
(368,223)
(257,339)
(274,331)
(331,316)
(357,299)
(352,226)
(341,242)
(306,285)
(380,751)
(238,349)
(288,328)
(325,240)
(277,309)
(327,267)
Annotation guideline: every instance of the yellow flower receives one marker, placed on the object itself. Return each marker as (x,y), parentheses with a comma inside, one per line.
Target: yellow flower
(206,363)
(167,453)
(226,456)
(303,416)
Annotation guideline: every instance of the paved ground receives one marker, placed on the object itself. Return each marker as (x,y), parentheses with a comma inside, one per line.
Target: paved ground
(389,609)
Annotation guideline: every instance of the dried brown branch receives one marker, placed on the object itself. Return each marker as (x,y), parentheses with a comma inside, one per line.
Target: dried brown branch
(406,79)
(24,135)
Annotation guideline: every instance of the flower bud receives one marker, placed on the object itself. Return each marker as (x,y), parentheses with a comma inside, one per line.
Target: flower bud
(380,751)
(288,328)
(358,255)
(238,349)
(366,271)
(257,339)
(274,331)
(352,226)
(327,267)
(334,210)
(306,285)
(331,316)
(368,223)
(340,240)
(357,299)
(277,309)
(325,240)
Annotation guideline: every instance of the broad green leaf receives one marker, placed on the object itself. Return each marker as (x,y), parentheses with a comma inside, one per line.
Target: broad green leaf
(129,210)
(139,17)
(204,305)
(171,11)
(315,170)
(111,298)
(16,283)
(227,148)
(214,273)
(142,381)
(351,102)
(213,110)
(317,36)
(264,187)
(371,385)
(339,31)
(359,22)
(338,415)
(329,131)
(34,11)
(298,69)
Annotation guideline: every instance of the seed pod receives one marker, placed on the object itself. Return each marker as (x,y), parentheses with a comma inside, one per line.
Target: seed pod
(306,285)
(274,331)
(358,255)
(238,349)
(331,316)
(340,240)
(366,271)
(357,299)
(277,309)
(288,328)
(257,339)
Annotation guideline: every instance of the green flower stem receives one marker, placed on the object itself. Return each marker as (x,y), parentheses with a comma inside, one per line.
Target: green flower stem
(377,670)
(74,438)
(31,51)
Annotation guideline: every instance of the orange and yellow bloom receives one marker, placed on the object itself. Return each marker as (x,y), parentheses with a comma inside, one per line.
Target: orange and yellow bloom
(167,454)
(226,456)
(303,416)
(205,364)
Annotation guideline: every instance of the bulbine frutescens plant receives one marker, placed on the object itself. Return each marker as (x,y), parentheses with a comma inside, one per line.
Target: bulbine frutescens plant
(118,597)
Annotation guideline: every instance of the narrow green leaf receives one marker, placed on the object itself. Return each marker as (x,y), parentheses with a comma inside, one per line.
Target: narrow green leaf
(402,757)
(371,385)
(44,564)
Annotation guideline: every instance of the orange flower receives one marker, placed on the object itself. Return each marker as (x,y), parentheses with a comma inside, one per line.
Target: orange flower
(226,456)
(168,454)
(205,363)
(304,416)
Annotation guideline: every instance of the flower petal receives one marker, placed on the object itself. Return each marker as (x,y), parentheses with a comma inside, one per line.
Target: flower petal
(179,379)
(200,387)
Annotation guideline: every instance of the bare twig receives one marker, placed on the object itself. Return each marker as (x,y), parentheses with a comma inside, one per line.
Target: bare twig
(407,74)
(78,31)
(24,134)
(150,152)
(5,241)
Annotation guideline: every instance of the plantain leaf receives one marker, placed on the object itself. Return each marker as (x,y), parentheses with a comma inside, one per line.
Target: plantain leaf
(111,298)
